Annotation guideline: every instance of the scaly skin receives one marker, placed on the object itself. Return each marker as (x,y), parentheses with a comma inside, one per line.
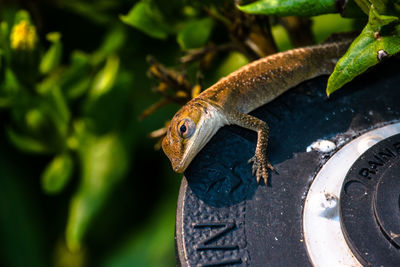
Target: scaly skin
(230,99)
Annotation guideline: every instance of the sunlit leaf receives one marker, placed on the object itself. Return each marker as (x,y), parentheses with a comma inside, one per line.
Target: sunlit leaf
(363,52)
(52,57)
(323,27)
(103,162)
(105,78)
(231,63)
(281,37)
(146,17)
(57,174)
(290,7)
(195,33)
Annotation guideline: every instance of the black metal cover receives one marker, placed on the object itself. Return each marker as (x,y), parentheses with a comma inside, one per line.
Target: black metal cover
(225,219)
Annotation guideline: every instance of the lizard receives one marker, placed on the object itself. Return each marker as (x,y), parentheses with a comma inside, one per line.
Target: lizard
(229,101)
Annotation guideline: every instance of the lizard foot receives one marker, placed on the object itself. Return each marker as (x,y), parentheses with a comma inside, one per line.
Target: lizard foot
(260,168)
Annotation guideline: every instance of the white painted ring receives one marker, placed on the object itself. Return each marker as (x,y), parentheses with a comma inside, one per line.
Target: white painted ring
(323,236)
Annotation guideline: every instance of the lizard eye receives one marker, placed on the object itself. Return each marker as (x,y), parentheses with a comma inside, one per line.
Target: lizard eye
(186,128)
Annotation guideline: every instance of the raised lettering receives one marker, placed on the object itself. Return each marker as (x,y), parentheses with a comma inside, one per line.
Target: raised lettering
(397,147)
(223,262)
(387,154)
(364,172)
(374,165)
(206,243)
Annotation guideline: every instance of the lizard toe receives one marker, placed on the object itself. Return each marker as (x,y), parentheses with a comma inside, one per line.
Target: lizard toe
(258,177)
(270,166)
(260,168)
(265,175)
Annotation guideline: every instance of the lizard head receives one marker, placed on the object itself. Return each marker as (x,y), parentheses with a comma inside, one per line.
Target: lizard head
(188,132)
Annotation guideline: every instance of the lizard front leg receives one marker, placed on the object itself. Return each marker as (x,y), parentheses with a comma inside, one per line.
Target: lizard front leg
(260,162)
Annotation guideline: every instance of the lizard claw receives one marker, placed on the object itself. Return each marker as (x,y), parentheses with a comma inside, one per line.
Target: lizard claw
(260,168)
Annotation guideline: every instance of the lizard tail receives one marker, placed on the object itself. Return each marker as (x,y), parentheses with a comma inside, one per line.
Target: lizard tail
(331,52)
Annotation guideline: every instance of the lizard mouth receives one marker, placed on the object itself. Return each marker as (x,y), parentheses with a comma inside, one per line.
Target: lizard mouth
(193,146)
(179,168)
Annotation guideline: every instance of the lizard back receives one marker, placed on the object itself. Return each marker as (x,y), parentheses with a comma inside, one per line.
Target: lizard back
(261,81)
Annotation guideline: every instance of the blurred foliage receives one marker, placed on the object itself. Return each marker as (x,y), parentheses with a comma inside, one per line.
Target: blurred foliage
(80,183)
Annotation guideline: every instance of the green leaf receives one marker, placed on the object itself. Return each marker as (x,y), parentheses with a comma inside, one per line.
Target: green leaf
(281,37)
(195,33)
(290,7)
(323,27)
(104,161)
(60,105)
(4,30)
(57,174)
(11,83)
(52,57)
(381,6)
(363,52)
(364,5)
(112,42)
(232,62)
(54,105)
(26,143)
(35,120)
(4,43)
(376,21)
(105,78)
(146,17)
(117,99)
(76,80)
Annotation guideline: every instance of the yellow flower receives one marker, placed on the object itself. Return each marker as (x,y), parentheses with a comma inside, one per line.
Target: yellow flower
(23,36)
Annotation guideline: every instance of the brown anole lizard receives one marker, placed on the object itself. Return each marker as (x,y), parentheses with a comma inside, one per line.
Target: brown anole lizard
(230,99)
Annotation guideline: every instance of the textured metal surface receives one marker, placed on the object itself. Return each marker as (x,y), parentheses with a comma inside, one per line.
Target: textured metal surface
(387,201)
(365,199)
(224,218)
(326,244)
